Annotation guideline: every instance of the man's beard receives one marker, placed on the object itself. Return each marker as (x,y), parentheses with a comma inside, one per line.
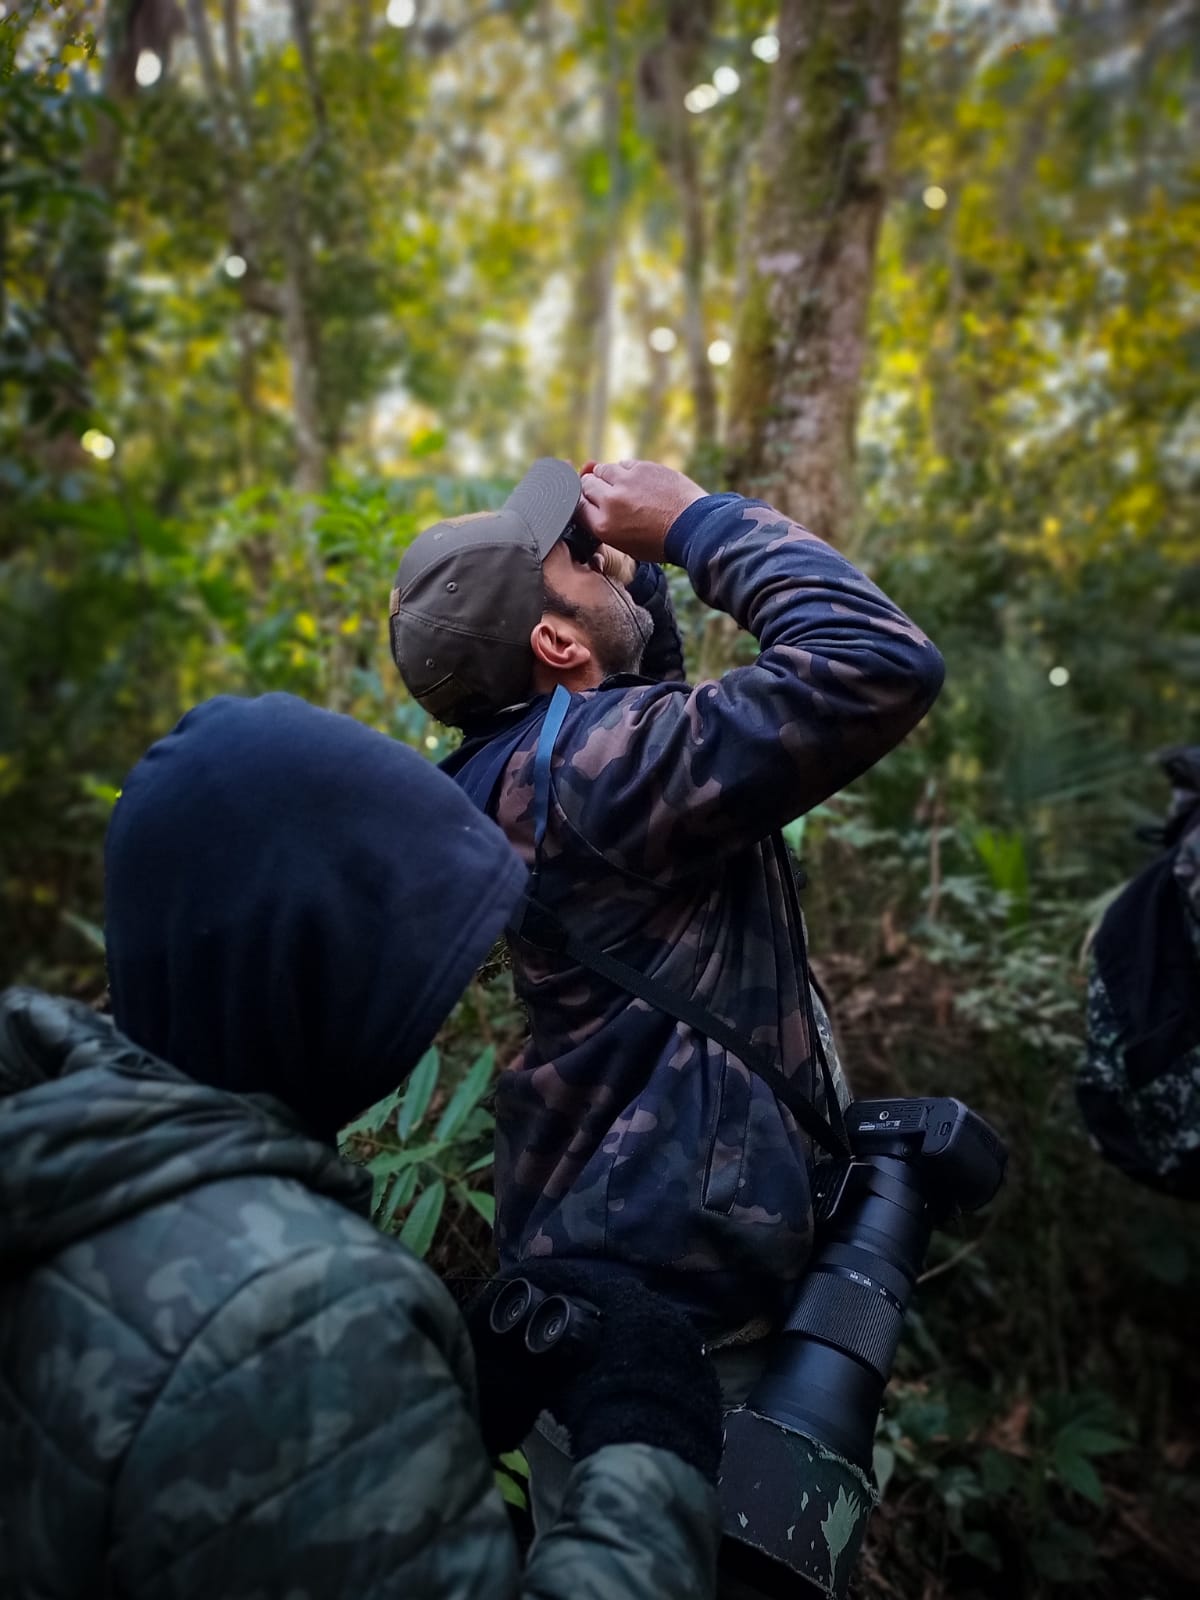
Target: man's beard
(618,632)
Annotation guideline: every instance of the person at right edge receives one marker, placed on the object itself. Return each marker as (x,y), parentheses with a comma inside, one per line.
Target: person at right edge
(627,1139)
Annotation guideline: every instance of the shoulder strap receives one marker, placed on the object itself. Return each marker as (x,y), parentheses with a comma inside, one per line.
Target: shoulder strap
(537,924)
(795,920)
(553,721)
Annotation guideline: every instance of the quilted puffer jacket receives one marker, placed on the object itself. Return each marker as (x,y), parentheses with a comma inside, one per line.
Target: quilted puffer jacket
(217,1380)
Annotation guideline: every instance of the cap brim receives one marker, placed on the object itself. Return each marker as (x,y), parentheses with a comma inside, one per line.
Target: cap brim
(545,500)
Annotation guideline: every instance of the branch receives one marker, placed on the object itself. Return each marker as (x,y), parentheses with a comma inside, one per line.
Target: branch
(213,87)
(232,32)
(302,33)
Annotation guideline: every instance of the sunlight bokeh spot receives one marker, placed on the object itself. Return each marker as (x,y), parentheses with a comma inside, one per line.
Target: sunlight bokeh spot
(766,47)
(98,444)
(719,352)
(702,98)
(402,13)
(726,80)
(935,197)
(235,266)
(662,339)
(149,68)
(1059,677)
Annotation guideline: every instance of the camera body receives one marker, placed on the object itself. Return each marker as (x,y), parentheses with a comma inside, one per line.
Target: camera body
(796,1486)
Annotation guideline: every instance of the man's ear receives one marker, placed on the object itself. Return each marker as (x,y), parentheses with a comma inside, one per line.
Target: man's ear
(557,645)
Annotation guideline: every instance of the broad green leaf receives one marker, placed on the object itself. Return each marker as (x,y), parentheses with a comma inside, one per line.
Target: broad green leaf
(467,1096)
(483,1203)
(515,1462)
(419,1092)
(1078,1473)
(402,1192)
(1083,1439)
(389,1161)
(511,1491)
(374,1118)
(421,1223)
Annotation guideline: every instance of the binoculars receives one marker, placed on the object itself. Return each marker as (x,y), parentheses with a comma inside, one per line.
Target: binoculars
(548,1322)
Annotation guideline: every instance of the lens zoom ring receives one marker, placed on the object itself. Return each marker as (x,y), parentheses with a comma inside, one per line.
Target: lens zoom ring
(849,1315)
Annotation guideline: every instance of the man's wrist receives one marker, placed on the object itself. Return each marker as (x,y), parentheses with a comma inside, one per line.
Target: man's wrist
(679,535)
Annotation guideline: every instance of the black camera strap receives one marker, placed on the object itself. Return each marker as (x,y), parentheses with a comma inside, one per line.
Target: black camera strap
(539,926)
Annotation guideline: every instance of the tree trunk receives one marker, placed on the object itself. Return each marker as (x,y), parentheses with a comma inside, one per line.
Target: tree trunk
(566,430)
(252,231)
(298,335)
(652,415)
(77,287)
(607,281)
(817,199)
(689,24)
(668,71)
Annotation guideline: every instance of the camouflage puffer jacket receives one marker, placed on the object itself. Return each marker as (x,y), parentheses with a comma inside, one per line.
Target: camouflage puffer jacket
(218,1381)
(622,1135)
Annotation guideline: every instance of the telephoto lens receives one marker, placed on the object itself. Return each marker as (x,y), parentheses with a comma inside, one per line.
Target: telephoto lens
(796,1486)
(836,1350)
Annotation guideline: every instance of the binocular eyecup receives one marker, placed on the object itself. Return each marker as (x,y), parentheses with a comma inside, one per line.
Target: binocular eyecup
(549,1321)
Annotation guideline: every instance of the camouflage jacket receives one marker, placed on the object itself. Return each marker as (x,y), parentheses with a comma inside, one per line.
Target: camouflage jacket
(621,1134)
(217,1381)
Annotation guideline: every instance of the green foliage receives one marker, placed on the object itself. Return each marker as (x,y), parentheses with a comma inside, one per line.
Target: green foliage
(445,211)
(1032,1401)
(513,1466)
(417,1163)
(1012,1508)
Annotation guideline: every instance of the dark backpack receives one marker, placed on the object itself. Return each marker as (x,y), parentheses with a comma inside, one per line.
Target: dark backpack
(1139,1088)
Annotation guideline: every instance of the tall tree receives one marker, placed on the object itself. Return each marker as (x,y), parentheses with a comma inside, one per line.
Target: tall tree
(78,284)
(817,198)
(668,69)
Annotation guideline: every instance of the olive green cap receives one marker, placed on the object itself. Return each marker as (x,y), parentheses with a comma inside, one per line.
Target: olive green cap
(469,592)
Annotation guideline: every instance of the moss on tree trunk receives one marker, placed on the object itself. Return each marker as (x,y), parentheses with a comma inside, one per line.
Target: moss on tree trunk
(817,197)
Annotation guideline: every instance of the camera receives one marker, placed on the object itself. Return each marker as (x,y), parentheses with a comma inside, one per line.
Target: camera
(796,1486)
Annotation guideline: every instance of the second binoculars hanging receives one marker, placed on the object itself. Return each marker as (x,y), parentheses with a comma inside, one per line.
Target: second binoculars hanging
(549,1321)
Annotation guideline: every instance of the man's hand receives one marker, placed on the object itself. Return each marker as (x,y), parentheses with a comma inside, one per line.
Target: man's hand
(631,505)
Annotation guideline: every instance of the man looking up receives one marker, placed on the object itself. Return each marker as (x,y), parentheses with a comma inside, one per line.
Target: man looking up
(627,1135)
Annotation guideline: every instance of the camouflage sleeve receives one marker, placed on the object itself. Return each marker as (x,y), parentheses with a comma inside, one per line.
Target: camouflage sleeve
(662,659)
(318,1437)
(636,1524)
(659,781)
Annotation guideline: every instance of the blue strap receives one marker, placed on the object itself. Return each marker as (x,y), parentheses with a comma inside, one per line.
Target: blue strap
(552,722)
(538,925)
